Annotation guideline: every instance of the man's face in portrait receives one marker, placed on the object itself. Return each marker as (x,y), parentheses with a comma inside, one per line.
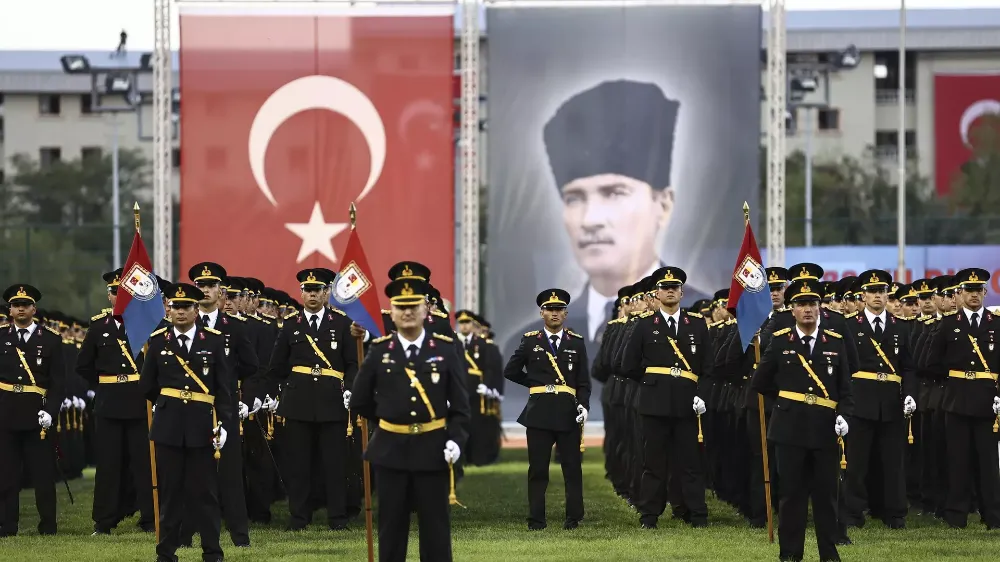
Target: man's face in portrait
(613,221)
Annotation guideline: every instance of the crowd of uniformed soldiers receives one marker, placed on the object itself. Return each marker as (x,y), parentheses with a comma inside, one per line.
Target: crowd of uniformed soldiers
(877,397)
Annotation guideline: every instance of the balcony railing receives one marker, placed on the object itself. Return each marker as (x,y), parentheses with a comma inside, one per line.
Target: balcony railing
(891,97)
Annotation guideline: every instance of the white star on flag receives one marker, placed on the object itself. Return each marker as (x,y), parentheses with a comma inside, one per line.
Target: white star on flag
(316,235)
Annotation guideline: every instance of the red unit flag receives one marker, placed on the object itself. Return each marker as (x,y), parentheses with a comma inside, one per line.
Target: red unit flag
(959,101)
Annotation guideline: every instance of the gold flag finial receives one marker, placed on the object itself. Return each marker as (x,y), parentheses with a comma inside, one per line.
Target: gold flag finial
(354,216)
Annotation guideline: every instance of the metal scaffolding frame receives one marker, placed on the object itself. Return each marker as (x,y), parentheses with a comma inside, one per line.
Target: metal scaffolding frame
(776,94)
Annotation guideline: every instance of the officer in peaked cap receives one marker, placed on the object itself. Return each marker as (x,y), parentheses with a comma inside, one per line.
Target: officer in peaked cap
(316,359)
(964,356)
(410,270)
(777,278)
(845,291)
(418,396)
(189,382)
(553,364)
(805,270)
(812,394)
(32,381)
(909,305)
(106,362)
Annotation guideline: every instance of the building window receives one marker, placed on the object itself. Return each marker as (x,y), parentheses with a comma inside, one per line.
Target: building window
(887,143)
(828,119)
(175,158)
(86,104)
(48,105)
(48,156)
(91,154)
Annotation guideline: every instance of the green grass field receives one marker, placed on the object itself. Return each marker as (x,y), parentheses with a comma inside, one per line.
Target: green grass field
(493,528)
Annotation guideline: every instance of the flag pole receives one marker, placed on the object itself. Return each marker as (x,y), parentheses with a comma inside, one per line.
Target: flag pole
(149,423)
(763,423)
(366,470)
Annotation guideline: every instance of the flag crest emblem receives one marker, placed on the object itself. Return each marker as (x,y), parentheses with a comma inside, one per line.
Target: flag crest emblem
(139,283)
(351,284)
(751,275)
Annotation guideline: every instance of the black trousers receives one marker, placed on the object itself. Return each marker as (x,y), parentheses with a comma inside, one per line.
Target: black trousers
(122,455)
(540,442)
(936,463)
(887,441)
(189,492)
(20,450)
(231,498)
(675,439)
(971,439)
(307,442)
(399,492)
(805,474)
(913,453)
(260,470)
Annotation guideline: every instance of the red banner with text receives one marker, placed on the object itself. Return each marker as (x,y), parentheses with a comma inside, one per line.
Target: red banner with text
(287,119)
(959,101)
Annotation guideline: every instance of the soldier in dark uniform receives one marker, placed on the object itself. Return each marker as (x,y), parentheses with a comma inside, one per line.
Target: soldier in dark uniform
(106,362)
(413,385)
(187,375)
(964,354)
(32,375)
(668,353)
(883,390)
(316,359)
(552,363)
(804,370)
(478,450)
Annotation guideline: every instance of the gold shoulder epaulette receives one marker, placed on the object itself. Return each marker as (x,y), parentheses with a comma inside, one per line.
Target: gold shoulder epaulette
(97,317)
(338,311)
(291,315)
(950,313)
(213,331)
(851,315)
(2,326)
(268,316)
(107,310)
(715,324)
(574,334)
(782,332)
(695,314)
(930,320)
(68,341)
(386,311)
(730,322)
(386,337)
(443,338)
(158,332)
(237,316)
(833,334)
(54,331)
(268,322)
(439,314)
(531,333)
(489,341)
(647,314)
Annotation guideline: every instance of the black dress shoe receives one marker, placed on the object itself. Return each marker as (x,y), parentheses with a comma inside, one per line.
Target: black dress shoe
(844,540)
(99,532)
(571,524)
(895,523)
(295,528)
(338,525)
(242,544)
(647,522)
(149,527)
(536,526)
(699,523)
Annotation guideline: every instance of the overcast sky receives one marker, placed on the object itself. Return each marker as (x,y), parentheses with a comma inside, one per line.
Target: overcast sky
(95,24)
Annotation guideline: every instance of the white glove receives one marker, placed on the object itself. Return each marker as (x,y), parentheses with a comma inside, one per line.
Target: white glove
(996,405)
(840,427)
(219,438)
(78,403)
(66,405)
(44,419)
(91,394)
(581,412)
(347,399)
(482,390)
(269,403)
(909,406)
(451,452)
(699,406)
(153,409)
(256,405)
(499,396)
(244,411)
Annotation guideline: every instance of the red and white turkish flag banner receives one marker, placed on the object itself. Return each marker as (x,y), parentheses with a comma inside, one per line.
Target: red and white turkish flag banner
(959,101)
(288,118)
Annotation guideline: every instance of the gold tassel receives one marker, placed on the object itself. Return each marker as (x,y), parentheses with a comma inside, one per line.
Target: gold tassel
(58,423)
(996,425)
(701,436)
(76,419)
(350,426)
(909,437)
(452,496)
(582,446)
(482,404)
(270,427)
(843,453)
(215,423)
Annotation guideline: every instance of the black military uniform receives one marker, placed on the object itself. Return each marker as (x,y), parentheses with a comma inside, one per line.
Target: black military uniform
(188,376)
(885,377)
(964,353)
(316,358)
(478,449)
(808,376)
(554,367)
(106,363)
(32,375)
(668,354)
(415,389)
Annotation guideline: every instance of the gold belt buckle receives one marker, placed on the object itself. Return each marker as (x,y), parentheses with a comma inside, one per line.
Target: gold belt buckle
(316,371)
(18,388)
(811,399)
(970,375)
(122,378)
(882,377)
(675,371)
(185,394)
(550,389)
(415,428)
